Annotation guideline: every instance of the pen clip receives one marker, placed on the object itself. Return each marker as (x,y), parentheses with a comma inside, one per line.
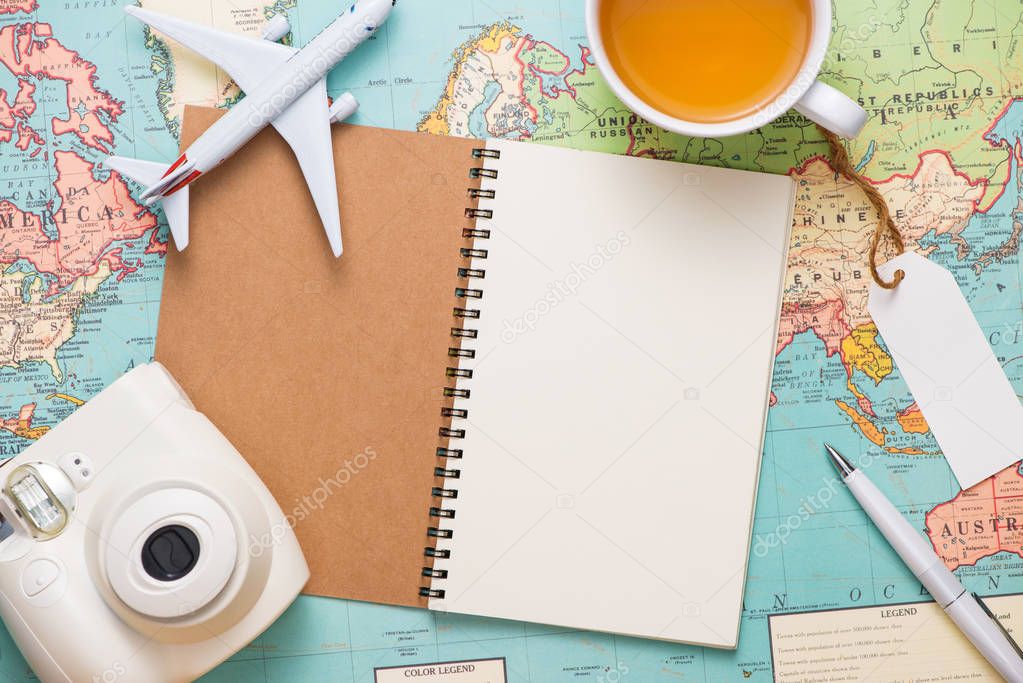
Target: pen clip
(991,614)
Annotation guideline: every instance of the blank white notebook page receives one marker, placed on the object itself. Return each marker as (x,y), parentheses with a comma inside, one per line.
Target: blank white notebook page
(619,392)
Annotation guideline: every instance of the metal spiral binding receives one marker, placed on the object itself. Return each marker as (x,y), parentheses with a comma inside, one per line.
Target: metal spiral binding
(465,294)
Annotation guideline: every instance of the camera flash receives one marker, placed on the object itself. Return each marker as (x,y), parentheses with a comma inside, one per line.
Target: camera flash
(36,501)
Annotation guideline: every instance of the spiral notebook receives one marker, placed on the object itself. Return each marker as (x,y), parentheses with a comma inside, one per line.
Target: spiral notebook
(533,388)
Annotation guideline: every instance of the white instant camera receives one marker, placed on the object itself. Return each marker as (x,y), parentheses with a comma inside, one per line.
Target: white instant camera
(126,546)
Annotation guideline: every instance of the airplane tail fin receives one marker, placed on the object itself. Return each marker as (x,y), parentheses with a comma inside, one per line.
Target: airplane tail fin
(148,174)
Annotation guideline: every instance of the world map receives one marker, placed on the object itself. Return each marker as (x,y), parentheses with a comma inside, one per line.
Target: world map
(942,81)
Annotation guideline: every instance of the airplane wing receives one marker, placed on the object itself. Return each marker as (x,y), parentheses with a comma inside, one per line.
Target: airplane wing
(246,60)
(306,127)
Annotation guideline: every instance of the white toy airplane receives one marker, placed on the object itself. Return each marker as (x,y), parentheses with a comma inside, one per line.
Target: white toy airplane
(284,87)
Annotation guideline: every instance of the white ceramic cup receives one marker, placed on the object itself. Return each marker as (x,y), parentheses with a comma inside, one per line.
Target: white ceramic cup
(818,101)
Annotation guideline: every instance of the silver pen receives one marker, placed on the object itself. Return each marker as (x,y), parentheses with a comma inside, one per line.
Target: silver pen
(976,622)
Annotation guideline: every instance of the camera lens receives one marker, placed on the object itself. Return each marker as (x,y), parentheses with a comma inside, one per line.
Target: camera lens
(170,553)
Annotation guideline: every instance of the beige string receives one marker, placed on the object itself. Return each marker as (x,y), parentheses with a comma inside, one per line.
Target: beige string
(885,224)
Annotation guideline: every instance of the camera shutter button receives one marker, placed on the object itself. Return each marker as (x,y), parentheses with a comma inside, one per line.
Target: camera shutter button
(38,576)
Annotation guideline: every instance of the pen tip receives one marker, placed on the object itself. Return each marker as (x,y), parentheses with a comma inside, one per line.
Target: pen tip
(844,467)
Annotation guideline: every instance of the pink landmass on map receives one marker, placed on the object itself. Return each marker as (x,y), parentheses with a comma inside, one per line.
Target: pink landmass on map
(29,50)
(22,425)
(980,521)
(26,137)
(79,228)
(826,319)
(156,245)
(23,107)
(13,116)
(14,6)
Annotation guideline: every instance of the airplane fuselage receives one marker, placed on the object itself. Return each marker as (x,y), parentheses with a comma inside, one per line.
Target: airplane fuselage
(282,87)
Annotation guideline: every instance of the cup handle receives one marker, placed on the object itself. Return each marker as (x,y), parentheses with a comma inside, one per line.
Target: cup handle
(832,109)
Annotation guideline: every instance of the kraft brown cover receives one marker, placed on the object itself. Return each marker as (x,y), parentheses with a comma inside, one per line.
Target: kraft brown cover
(328,374)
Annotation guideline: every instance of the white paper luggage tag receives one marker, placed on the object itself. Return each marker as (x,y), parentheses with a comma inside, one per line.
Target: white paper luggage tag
(942,353)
